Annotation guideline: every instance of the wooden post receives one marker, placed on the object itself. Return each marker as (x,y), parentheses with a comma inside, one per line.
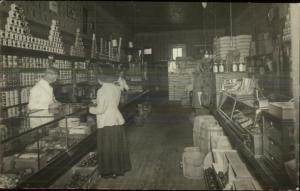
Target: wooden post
(295,31)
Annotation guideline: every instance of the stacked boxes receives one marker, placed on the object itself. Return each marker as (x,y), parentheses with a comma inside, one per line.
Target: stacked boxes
(223,45)
(243,44)
(264,44)
(77,49)
(177,84)
(55,39)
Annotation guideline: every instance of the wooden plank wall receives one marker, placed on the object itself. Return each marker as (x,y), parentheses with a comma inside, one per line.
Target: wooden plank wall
(161,41)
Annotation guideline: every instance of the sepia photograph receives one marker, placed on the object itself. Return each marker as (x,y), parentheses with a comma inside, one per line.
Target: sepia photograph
(149,95)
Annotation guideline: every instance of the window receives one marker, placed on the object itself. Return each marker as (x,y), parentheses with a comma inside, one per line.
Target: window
(176,52)
(148,51)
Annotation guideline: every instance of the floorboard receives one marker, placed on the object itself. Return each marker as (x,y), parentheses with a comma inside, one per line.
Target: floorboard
(156,150)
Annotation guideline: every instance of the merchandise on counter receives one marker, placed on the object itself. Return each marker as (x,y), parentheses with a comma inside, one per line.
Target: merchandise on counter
(282,110)
(245,87)
(77,49)
(8,181)
(29,161)
(71,122)
(82,129)
(90,161)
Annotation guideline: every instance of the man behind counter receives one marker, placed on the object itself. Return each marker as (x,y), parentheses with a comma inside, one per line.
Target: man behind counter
(41,95)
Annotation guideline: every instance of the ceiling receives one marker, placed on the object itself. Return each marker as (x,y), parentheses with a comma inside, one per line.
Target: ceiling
(165,16)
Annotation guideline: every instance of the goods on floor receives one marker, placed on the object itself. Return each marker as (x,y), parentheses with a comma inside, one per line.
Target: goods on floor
(192,161)
(181,79)
(220,142)
(177,85)
(230,171)
(205,127)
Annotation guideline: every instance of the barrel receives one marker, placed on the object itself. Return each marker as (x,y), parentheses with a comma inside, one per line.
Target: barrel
(220,142)
(208,131)
(192,163)
(200,122)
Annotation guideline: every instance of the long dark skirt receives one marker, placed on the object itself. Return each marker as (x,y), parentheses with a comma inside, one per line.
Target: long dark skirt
(112,151)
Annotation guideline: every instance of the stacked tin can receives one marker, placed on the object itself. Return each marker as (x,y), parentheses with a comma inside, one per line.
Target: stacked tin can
(16,32)
(94,47)
(56,44)
(77,49)
(287,28)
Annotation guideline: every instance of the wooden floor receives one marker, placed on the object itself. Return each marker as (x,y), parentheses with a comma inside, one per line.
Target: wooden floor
(155,150)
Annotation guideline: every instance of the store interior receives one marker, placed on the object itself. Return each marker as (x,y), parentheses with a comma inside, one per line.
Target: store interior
(212,104)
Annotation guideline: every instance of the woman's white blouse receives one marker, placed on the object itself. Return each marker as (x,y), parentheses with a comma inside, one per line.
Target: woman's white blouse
(107,111)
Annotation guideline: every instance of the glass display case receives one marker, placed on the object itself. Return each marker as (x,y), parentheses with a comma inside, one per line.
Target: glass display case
(38,138)
(246,121)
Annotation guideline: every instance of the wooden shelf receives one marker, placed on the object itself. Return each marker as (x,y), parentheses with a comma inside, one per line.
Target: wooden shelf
(37,53)
(258,56)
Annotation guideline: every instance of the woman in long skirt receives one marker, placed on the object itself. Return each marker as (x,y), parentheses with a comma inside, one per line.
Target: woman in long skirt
(112,146)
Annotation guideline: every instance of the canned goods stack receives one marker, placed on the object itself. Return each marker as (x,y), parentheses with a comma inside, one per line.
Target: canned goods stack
(55,38)
(9,98)
(25,95)
(32,62)
(30,78)
(77,49)
(80,65)
(94,47)
(65,71)
(81,77)
(8,61)
(17,34)
(9,104)
(62,64)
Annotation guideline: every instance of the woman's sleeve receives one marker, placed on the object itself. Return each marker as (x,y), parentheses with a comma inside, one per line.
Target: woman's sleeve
(102,104)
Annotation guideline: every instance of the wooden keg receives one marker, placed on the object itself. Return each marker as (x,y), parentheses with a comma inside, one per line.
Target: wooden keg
(192,162)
